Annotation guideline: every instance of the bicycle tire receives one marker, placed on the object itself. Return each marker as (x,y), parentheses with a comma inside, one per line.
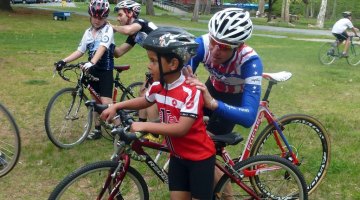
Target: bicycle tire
(10,142)
(300,131)
(67,120)
(86,183)
(325,56)
(283,181)
(132,91)
(354,55)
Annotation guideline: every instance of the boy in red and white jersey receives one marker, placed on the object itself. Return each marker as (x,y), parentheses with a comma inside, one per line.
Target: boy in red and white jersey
(180,106)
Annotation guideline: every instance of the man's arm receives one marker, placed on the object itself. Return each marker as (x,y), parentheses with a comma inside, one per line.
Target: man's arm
(122,49)
(127,29)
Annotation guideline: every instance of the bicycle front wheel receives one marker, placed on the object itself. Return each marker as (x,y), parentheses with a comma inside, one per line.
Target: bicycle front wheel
(88,182)
(10,143)
(327,53)
(309,141)
(67,119)
(354,55)
(268,177)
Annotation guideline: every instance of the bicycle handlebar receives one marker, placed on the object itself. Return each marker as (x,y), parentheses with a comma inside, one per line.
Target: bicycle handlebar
(73,67)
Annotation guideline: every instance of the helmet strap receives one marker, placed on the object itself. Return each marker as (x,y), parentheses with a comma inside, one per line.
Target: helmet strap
(161,71)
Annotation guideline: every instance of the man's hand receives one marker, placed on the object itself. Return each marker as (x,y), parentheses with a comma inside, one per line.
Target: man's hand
(59,65)
(187,71)
(87,66)
(209,101)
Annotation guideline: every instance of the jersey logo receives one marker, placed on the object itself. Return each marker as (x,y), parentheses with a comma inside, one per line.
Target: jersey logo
(174,102)
(167,117)
(190,104)
(105,39)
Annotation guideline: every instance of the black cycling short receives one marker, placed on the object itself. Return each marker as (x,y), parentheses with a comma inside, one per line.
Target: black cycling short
(104,87)
(341,37)
(216,124)
(196,177)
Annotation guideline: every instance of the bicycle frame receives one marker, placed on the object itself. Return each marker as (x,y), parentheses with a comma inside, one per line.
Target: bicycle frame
(264,112)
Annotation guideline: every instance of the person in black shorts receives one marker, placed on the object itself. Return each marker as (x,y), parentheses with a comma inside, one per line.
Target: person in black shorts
(98,41)
(339,31)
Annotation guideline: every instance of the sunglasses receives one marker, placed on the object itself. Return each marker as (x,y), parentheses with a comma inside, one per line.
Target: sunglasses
(221,45)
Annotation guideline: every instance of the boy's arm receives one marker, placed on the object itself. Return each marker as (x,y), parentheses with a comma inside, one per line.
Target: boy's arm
(132,104)
(99,53)
(175,129)
(75,55)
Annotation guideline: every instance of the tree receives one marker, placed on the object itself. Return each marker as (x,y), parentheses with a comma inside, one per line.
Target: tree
(208,7)
(150,8)
(195,16)
(5,5)
(285,10)
(321,15)
(261,8)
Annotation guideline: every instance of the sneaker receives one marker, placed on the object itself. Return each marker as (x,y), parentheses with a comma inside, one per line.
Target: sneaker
(2,160)
(94,135)
(344,55)
(331,52)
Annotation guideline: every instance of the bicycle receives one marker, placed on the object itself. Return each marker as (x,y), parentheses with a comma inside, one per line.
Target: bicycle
(330,51)
(67,120)
(285,136)
(117,179)
(10,143)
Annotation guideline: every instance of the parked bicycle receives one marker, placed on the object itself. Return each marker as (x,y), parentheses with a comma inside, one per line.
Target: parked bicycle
(330,51)
(259,177)
(67,120)
(300,138)
(10,143)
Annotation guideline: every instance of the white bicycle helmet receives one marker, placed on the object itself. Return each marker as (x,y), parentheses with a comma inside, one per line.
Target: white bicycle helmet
(346,14)
(99,8)
(231,25)
(129,5)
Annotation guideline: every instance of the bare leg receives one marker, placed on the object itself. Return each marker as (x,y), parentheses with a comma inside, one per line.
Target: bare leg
(346,48)
(180,195)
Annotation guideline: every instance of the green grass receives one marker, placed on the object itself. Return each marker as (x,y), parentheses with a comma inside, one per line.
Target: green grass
(31,42)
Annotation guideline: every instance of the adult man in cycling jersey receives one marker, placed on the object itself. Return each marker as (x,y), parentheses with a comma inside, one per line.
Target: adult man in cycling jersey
(233,89)
(137,30)
(339,31)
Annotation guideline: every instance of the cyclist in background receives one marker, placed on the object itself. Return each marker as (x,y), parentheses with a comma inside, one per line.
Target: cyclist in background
(339,31)
(192,160)
(98,40)
(137,30)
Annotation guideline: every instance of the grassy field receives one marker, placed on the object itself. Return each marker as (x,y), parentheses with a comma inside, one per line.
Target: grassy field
(31,42)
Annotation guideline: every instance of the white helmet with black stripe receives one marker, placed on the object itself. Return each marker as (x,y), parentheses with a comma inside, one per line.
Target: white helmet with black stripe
(231,25)
(128,5)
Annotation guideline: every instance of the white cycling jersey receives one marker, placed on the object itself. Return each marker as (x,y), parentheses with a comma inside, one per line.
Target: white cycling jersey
(341,25)
(104,37)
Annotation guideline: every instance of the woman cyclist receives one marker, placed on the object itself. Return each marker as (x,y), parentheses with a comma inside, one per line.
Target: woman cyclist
(98,40)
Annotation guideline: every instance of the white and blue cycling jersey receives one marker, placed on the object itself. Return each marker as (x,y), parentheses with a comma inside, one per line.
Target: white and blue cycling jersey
(104,37)
(239,77)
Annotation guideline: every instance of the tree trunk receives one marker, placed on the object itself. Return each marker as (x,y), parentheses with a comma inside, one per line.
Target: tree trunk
(5,5)
(285,10)
(195,16)
(270,10)
(321,15)
(333,14)
(208,7)
(261,8)
(150,8)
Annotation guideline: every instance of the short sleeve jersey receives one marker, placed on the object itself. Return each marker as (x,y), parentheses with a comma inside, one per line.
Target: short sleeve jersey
(341,25)
(104,37)
(181,99)
(139,37)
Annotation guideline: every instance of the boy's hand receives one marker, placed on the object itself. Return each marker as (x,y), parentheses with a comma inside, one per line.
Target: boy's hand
(108,114)
(87,66)
(136,127)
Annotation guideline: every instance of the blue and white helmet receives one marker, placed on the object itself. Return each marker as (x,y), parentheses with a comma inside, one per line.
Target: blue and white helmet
(231,25)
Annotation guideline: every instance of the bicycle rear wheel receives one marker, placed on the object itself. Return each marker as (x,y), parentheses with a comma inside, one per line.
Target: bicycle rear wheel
(275,178)
(67,119)
(327,53)
(88,181)
(10,143)
(308,139)
(354,55)
(132,91)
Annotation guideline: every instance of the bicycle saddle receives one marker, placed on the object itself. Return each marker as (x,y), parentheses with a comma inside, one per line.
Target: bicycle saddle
(278,76)
(227,139)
